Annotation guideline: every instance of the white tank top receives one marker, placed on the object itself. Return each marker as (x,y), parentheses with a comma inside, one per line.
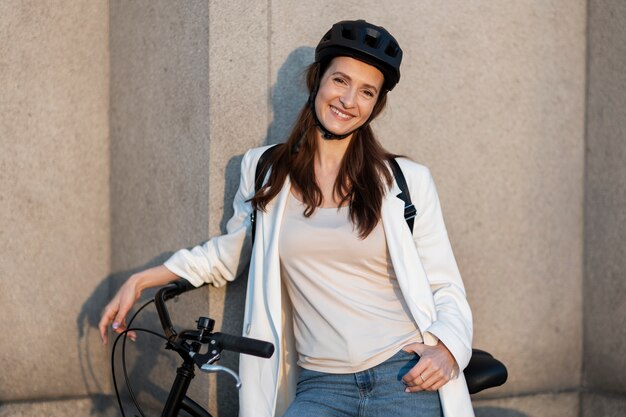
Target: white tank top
(349,312)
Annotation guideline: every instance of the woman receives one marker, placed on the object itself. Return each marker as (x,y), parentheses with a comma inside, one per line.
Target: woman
(366,318)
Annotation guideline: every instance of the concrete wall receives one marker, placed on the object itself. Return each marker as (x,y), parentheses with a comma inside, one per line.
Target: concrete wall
(54,197)
(605,216)
(492,99)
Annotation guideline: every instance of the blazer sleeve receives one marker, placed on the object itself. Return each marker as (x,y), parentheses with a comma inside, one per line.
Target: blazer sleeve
(453,324)
(218,260)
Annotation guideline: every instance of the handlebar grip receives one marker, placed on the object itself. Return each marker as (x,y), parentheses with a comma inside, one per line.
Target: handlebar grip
(245,345)
(177,287)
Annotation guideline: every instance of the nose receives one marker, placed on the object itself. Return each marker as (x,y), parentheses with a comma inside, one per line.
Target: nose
(347,99)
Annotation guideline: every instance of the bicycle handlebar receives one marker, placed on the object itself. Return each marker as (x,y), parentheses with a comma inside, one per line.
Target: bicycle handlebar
(226,341)
(165,293)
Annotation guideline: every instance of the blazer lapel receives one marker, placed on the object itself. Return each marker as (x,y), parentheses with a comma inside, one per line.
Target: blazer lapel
(271,222)
(406,263)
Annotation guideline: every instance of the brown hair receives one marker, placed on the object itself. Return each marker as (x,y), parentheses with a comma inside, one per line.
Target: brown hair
(362,177)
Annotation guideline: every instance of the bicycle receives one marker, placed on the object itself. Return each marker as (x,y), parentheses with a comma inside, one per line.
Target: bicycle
(188,344)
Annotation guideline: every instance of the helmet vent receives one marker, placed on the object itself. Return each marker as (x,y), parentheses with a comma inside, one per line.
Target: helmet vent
(371,39)
(391,50)
(348,33)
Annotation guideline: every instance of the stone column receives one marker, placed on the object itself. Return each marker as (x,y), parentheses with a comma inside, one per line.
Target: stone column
(54,201)
(604,363)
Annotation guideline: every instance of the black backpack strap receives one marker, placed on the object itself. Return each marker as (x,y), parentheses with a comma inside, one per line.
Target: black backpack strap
(262,166)
(409,209)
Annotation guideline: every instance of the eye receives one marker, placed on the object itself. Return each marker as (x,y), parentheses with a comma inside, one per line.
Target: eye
(339,80)
(369,93)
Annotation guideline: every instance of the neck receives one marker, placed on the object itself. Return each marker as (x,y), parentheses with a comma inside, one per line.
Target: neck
(330,152)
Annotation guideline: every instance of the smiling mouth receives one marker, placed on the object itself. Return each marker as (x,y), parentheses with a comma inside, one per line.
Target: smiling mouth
(340,114)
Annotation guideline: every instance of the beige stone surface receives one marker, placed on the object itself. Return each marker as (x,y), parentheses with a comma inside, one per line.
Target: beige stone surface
(54,196)
(159,128)
(564,404)
(602,405)
(605,199)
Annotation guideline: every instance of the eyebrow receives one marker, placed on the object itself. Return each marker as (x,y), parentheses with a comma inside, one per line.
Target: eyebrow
(349,78)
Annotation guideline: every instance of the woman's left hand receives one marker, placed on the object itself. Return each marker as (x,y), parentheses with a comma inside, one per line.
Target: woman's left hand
(434,369)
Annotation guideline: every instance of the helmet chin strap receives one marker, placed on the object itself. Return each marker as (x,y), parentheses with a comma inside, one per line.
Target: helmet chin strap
(327,134)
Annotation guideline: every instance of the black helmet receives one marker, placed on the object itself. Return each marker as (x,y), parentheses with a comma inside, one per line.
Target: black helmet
(366,42)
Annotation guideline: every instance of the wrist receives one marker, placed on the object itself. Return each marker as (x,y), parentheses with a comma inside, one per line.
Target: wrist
(152,277)
(440,345)
(137,282)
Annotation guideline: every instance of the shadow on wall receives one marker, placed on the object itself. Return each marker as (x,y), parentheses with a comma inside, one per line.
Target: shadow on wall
(287,96)
(149,351)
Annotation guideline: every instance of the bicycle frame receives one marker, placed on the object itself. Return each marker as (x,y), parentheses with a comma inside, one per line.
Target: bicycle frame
(178,399)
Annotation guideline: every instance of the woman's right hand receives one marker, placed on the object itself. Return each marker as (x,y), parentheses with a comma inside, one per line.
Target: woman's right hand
(115,312)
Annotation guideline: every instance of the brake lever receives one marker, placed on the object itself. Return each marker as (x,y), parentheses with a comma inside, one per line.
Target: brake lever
(219,368)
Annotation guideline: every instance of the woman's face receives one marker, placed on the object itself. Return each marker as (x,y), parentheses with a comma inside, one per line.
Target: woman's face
(347,94)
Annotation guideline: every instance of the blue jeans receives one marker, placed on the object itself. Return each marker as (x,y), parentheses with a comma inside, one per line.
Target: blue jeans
(375,392)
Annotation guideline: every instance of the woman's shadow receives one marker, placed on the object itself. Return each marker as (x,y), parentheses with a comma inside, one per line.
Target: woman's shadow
(288,95)
(146,359)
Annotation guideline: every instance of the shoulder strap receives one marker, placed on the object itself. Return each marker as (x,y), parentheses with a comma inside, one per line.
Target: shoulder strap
(409,209)
(262,166)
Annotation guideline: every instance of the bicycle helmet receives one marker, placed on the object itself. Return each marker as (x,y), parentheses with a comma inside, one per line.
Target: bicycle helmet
(360,40)
(366,42)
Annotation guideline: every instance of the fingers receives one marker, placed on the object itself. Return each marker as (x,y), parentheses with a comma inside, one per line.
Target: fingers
(433,370)
(132,335)
(107,318)
(422,377)
(416,347)
(117,320)
(116,311)
(428,380)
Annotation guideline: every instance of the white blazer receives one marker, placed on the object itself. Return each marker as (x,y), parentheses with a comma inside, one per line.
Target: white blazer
(423,262)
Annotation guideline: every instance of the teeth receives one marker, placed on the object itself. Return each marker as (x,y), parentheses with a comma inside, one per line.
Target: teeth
(340,114)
